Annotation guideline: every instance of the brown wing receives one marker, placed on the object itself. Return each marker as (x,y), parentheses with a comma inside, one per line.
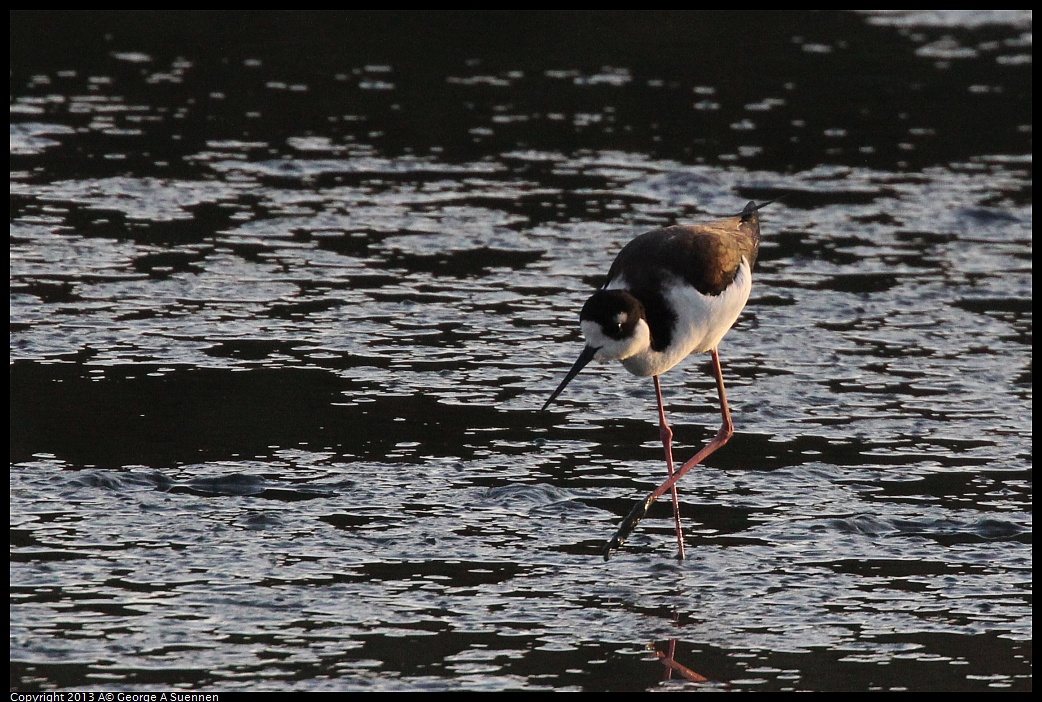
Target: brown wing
(707,256)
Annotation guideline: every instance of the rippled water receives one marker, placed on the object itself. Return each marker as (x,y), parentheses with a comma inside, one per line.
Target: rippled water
(288,291)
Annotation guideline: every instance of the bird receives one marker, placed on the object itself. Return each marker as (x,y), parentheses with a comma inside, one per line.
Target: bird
(671,292)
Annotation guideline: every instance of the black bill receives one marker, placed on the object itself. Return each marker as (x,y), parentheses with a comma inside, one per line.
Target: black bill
(585,357)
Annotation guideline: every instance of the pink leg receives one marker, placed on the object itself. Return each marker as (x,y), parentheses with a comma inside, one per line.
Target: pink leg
(666,434)
(721,438)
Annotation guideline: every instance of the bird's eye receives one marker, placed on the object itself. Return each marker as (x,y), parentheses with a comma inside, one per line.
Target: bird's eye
(613,329)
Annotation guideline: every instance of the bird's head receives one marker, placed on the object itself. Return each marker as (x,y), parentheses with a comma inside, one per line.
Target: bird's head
(615,328)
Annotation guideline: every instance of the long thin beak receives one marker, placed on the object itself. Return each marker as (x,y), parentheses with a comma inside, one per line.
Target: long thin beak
(585,357)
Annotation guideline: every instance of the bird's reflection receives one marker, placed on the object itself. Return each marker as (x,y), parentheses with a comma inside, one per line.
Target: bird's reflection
(675,670)
(672,667)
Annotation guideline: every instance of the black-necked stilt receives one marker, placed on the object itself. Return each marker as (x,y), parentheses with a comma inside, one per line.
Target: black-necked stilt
(670,293)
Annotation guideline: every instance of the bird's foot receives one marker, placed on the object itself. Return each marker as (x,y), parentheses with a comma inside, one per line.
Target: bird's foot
(639,511)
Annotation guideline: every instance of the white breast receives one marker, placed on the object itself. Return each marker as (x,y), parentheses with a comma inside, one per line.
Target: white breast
(702,321)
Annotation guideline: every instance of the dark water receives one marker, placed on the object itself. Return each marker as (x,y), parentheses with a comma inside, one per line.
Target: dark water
(288,290)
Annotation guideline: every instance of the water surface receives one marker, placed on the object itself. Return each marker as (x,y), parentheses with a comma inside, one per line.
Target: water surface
(288,291)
